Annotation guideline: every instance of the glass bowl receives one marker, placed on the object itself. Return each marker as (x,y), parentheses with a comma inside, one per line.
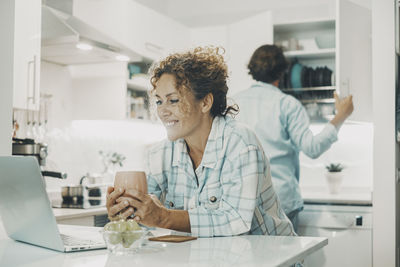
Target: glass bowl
(126,242)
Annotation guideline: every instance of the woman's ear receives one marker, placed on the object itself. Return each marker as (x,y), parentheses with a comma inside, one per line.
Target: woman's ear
(207,103)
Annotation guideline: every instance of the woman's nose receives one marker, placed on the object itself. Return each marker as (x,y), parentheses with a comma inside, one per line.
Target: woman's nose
(163,111)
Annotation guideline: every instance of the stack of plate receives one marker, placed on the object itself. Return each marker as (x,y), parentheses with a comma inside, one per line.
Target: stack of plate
(300,76)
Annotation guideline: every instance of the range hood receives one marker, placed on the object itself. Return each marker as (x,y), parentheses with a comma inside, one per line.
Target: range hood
(62,34)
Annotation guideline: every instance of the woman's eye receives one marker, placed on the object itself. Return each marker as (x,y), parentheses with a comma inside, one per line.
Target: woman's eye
(174,101)
(158,102)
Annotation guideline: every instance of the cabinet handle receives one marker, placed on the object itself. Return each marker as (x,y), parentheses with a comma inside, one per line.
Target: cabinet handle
(397,28)
(33,97)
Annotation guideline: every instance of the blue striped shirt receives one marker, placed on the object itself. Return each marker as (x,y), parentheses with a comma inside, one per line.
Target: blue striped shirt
(230,192)
(281,123)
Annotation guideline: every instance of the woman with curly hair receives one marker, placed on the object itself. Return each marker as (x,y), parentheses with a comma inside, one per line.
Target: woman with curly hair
(282,125)
(210,178)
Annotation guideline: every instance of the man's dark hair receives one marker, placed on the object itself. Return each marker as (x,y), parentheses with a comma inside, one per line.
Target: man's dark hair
(267,64)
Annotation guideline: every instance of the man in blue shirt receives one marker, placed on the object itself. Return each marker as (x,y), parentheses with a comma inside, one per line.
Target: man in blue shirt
(282,125)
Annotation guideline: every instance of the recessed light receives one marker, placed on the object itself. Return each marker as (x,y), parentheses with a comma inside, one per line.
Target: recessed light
(83,46)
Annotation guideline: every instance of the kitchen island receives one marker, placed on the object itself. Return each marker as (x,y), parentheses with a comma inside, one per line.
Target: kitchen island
(246,250)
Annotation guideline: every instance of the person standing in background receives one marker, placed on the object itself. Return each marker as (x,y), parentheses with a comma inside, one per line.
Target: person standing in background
(281,123)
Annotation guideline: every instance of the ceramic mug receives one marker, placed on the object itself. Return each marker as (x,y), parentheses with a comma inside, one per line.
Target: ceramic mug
(131,180)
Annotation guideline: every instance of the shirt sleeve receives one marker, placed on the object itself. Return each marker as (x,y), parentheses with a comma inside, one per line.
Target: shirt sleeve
(234,212)
(297,125)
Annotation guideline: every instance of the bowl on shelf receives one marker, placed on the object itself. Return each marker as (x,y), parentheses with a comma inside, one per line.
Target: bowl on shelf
(325,41)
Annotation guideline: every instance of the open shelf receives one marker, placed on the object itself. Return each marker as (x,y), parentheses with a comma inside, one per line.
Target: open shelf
(318,101)
(307,54)
(139,83)
(305,25)
(320,88)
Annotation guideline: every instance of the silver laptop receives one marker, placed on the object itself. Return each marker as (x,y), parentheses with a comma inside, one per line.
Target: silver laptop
(26,211)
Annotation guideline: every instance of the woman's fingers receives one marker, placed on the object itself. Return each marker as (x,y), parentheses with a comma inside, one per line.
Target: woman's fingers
(128,212)
(115,209)
(132,202)
(111,197)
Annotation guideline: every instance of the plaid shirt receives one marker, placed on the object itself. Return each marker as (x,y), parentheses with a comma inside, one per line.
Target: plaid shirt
(230,192)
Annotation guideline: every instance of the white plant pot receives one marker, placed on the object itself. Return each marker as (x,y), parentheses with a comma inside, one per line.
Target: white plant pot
(334,180)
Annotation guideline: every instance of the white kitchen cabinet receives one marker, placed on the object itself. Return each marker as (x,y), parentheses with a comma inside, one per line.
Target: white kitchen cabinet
(240,39)
(27,34)
(349,59)
(140,28)
(244,37)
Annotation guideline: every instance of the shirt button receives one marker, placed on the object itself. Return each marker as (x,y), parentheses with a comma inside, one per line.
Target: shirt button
(213,199)
(171,204)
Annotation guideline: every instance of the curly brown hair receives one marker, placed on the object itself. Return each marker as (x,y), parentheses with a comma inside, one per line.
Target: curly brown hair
(267,64)
(199,71)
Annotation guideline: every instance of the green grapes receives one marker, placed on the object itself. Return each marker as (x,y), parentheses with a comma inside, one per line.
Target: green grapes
(123,232)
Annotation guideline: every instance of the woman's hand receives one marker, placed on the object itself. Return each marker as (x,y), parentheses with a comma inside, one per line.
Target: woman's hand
(148,209)
(117,210)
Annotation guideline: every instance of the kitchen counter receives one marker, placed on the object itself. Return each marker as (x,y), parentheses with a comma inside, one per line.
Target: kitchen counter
(346,195)
(246,250)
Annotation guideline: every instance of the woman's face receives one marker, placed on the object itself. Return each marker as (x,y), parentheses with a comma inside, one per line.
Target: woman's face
(179,122)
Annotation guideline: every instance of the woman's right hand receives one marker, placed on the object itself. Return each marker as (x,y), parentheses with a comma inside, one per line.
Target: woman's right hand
(113,208)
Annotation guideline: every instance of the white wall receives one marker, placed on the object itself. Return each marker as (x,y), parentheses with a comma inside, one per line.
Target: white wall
(383,95)
(6,74)
(354,150)
(89,91)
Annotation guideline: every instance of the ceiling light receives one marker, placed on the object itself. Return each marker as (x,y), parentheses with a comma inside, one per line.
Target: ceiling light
(122,58)
(83,46)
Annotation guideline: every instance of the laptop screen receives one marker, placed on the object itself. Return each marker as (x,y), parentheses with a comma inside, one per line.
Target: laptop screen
(24,205)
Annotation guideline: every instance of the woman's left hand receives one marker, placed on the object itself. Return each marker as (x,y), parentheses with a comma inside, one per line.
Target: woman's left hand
(148,209)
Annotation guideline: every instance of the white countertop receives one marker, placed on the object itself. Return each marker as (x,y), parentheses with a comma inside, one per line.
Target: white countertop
(346,195)
(63,213)
(247,250)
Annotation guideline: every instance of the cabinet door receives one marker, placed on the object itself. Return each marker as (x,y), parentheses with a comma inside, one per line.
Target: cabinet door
(353,59)
(27,34)
(136,26)
(244,37)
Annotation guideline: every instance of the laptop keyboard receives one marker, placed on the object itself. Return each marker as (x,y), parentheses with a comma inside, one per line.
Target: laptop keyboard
(73,241)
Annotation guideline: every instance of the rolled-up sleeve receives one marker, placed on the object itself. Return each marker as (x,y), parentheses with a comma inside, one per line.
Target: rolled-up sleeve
(239,188)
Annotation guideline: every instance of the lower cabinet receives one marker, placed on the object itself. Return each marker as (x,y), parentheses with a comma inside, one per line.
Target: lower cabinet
(348,229)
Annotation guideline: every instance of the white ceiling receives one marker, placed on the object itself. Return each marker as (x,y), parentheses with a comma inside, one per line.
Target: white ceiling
(198,13)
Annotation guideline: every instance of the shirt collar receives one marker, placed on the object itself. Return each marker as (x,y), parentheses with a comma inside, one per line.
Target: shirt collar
(213,147)
(265,85)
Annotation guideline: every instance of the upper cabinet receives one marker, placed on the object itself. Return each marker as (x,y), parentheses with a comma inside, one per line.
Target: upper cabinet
(239,39)
(27,33)
(140,28)
(329,54)
(244,37)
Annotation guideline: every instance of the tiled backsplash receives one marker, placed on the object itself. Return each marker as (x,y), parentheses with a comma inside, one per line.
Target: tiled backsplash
(75,149)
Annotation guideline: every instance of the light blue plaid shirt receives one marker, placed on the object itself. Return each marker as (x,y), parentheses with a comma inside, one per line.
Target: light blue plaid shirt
(230,193)
(282,125)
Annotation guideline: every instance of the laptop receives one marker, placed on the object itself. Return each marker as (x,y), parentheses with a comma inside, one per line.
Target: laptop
(26,211)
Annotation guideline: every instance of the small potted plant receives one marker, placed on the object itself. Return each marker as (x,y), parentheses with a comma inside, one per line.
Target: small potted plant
(334,177)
